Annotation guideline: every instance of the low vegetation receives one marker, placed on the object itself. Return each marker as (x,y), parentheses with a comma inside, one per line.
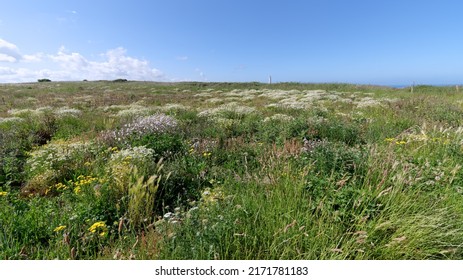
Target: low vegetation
(136,170)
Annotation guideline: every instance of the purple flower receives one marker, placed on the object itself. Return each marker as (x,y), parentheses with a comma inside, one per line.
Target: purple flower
(154,124)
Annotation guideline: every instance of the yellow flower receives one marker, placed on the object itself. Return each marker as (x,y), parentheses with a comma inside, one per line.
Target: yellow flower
(400,142)
(99,227)
(87,163)
(390,140)
(60,228)
(3,193)
(206,154)
(77,190)
(61,186)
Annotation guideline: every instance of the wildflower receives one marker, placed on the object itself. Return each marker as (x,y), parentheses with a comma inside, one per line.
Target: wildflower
(155,124)
(206,154)
(60,186)
(77,190)
(390,140)
(87,163)
(11,120)
(135,154)
(60,228)
(99,227)
(279,117)
(228,108)
(173,106)
(400,142)
(3,193)
(65,111)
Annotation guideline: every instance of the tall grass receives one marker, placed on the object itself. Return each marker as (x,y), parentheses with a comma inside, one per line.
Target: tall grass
(102,170)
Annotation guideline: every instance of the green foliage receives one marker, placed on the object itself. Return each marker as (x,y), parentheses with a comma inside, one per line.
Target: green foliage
(188,175)
(120,81)
(69,127)
(164,145)
(330,158)
(230,171)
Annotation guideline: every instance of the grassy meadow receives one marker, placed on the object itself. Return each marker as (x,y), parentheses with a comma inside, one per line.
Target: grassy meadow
(139,170)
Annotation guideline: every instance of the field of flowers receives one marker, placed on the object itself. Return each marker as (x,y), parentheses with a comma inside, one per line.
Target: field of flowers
(137,170)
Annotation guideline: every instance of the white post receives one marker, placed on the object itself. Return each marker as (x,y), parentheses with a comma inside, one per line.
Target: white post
(269,79)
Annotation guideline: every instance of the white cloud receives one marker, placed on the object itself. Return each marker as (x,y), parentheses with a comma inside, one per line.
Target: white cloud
(6,71)
(71,61)
(9,52)
(33,57)
(66,65)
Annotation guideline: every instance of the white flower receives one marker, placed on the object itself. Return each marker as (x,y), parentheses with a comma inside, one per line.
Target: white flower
(65,111)
(11,120)
(279,117)
(137,154)
(154,124)
(225,109)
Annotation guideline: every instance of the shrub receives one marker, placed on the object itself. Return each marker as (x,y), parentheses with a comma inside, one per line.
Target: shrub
(120,81)
(121,164)
(56,161)
(158,132)
(152,125)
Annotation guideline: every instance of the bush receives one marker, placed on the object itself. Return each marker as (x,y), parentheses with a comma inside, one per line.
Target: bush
(55,162)
(120,81)
(152,125)
(164,145)
(188,175)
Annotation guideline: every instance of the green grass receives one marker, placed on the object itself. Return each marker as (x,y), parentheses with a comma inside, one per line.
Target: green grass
(230,171)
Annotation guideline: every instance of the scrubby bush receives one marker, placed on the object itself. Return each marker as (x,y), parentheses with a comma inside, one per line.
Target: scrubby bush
(55,162)
(120,81)
(158,132)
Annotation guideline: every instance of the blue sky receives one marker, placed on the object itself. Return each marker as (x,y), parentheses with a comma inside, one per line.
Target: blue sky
(368,42)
